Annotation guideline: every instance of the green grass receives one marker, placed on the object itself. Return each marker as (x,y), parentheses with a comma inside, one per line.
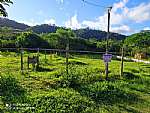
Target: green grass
(83,90)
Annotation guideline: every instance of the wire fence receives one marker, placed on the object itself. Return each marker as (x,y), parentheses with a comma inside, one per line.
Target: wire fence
(52,60)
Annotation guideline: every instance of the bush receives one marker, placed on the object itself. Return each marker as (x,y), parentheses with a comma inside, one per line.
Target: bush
(77,76)
(109,93)
(62,101)
(10,90)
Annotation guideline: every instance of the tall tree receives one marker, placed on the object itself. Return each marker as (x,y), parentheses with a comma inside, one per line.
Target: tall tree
(2,9)
(139,42)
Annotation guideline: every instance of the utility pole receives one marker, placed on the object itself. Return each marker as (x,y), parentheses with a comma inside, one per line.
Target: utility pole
(106,57)
(108,34)
(108,28)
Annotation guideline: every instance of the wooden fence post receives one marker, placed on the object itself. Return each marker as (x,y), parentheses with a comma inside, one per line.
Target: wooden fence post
(106,70)
(122,62)
(28,62)
(21,59)
(51,55)
(45,56)
(38,58)
(67,56)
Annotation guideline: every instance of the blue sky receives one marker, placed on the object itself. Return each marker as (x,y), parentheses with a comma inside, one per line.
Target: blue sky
(127,16)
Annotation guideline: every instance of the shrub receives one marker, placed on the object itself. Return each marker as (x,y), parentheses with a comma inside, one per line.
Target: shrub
(62,101)
(10,90)
(77,76)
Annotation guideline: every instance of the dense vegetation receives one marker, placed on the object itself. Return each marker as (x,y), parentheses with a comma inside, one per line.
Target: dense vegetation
(4,22)
(87,33)
(83,90)
(139,42)
(14,38)
(50,89)
(44,28)
(77,40)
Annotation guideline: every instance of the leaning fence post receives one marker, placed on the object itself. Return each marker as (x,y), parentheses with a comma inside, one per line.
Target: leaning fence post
(67,56)
(21,59)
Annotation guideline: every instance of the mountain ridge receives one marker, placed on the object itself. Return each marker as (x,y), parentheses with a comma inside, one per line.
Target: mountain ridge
(4,22)
(45,28)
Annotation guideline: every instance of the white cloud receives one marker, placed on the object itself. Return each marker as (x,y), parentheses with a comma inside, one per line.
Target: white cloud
(122,29)
(32,22)
(50,21)
(91,24)
(60,1)
(101,22)
(73,23)
(40,13)
(140,13)
(146,28)
(119,5)
(120,16)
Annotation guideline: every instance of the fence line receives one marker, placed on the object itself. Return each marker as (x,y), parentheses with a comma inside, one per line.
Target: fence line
(59,50)
(67,51)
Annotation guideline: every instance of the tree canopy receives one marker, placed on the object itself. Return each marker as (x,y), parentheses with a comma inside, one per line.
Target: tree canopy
(29,39)
(139,42)
(10,38)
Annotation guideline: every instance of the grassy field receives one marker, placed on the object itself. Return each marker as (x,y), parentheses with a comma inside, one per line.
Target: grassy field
(83,90)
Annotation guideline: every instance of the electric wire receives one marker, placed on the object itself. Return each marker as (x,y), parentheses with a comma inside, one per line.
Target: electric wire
(94,4)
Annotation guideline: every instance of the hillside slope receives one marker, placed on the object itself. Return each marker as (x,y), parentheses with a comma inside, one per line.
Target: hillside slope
(13,24)
(45,28)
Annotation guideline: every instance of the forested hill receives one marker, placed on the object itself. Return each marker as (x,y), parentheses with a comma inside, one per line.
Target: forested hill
(4,22)
(89,33)
(85,33)
(139,42)
(44,28)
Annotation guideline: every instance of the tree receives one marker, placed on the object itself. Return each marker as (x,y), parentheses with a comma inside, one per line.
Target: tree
(139,42)
(52,39)
(65,37)
(30,40)
(2,9)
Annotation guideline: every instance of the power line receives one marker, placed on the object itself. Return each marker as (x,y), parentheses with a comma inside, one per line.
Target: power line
(94,4)
(108,33)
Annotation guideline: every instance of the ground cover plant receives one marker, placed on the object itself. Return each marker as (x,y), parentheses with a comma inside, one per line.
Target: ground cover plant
(83,90)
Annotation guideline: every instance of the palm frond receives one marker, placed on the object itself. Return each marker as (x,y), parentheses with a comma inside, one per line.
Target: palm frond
(3,13)
(2,9)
